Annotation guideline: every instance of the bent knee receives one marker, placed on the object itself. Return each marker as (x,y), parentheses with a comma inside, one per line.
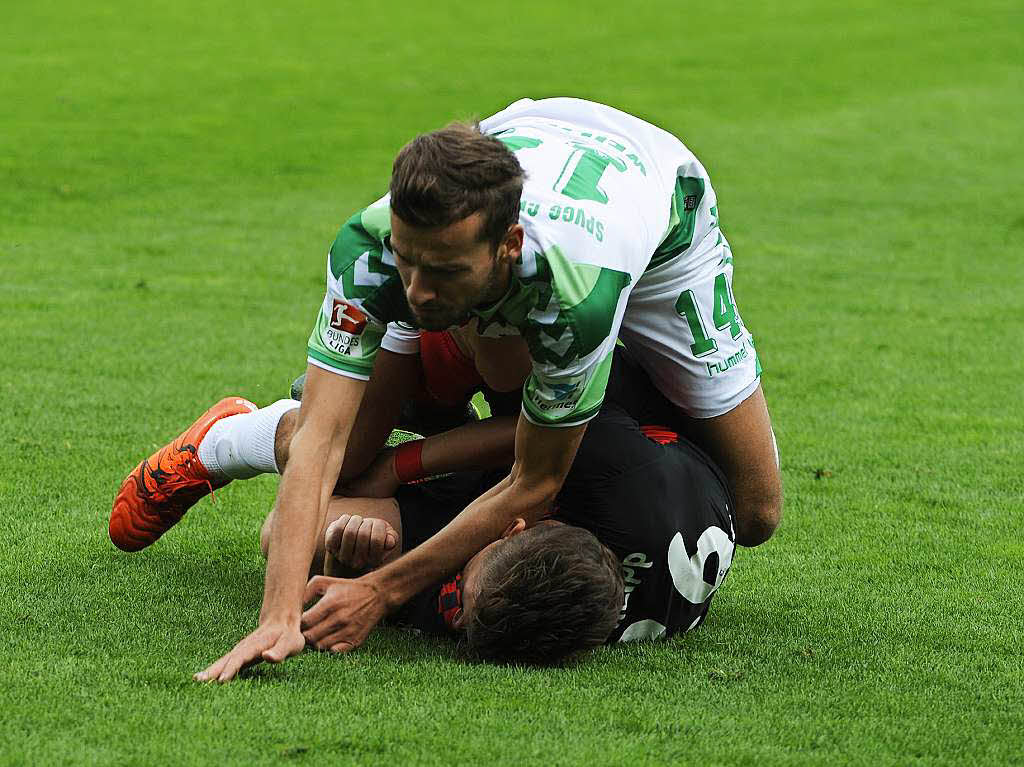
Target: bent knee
(283,438)
(756,522)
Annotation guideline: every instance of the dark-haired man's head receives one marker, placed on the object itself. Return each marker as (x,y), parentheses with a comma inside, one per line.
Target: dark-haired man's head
(541,595)
(454,222)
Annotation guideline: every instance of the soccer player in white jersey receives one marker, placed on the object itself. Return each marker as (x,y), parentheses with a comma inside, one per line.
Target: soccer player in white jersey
(566,223)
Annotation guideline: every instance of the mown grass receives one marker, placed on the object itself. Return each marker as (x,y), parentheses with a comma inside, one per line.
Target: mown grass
(171,174)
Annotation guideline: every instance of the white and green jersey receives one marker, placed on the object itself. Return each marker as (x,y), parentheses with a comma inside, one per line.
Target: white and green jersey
(611,205)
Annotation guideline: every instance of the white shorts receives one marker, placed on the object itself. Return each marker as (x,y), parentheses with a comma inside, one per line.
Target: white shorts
(682,325)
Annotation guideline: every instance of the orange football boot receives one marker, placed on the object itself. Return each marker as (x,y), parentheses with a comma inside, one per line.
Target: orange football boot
(167,484)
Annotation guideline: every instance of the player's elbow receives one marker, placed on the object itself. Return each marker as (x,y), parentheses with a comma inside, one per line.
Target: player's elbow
(758,518)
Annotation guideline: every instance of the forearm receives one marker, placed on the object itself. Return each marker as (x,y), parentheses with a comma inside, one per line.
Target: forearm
(329,405)
(395,377)
(483,444)
(482,522)
(299,512)
(487,444)
(742,443)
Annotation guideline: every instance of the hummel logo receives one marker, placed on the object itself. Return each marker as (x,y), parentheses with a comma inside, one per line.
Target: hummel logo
(563,390)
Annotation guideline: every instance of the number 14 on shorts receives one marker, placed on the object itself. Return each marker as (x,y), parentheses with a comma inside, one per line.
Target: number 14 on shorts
(723,315)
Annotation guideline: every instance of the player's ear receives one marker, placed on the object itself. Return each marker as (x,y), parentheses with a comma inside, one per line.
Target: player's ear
(517,526)
(511,247)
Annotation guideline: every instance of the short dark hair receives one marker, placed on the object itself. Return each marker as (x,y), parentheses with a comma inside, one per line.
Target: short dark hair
(545,596)
(442,177)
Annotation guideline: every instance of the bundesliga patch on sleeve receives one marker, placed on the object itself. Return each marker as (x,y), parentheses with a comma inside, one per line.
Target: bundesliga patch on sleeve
(345,337)
(342,333)
(346,318)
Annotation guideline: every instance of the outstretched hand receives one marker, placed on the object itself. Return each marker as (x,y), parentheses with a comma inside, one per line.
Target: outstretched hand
(342,619)
(272,642)
(345,615)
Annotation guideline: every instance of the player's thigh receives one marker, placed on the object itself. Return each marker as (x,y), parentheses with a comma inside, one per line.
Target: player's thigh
(743,445)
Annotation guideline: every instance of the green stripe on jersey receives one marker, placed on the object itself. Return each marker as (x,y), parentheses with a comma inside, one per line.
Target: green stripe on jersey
(683,217)
(333,362)
(356,260)
(576,301)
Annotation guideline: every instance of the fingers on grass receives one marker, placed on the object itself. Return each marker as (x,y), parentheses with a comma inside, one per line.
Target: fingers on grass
(212,671)
(334,642)
(235,665)
(278,652)
(322,624)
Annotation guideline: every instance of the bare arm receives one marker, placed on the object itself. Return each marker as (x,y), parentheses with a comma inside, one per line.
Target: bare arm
(486,444)
(395,379)
(329,406)
(350,609)
(483,444)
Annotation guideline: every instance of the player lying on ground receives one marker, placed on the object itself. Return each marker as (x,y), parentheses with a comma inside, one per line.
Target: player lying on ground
(654,499)
(614,233)
(674,553)
(537,596)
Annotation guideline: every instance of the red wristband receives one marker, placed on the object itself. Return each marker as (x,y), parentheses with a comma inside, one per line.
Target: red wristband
(409,461)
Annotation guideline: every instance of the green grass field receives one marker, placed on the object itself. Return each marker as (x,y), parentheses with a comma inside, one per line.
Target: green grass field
(171,174)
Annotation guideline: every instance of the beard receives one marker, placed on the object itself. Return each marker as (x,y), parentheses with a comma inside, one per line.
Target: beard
(437,316)
(435,320)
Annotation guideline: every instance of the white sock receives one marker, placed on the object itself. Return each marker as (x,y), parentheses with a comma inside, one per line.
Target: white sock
(242,446)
